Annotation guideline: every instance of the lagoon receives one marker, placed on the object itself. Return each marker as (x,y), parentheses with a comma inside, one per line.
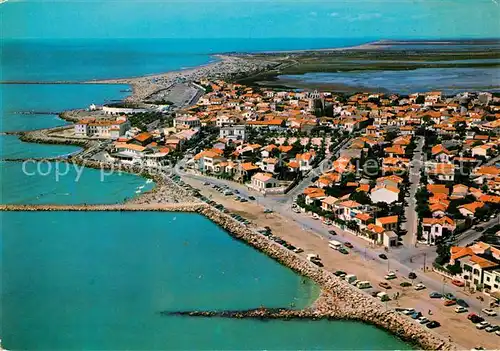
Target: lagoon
(97,280)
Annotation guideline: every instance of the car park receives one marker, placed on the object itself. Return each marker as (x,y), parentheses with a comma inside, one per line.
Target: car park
(489,312)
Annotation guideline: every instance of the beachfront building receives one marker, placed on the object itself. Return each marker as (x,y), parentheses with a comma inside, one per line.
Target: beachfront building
(262,181)
(92,127)
(435,228)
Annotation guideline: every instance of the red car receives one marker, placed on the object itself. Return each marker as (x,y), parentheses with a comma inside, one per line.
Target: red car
(458,283)
(449,303)
(349,245)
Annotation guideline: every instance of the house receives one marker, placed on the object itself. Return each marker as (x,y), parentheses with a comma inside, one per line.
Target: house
(233,132)
(347,210)
(111,129)
(440,153)
(475,260)
(363,219)
(442,171)
(313,194)
(469,210)
(269,164)
(328,203)
(387,194)
(391,181)
(187,122)
(262,181)
(305,160)
(459,191)
(438,189)
(481,150)
(388,223)
(433,228)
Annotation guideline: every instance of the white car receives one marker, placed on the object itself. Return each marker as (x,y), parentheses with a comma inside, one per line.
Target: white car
(460,309)
(482,325)
(409,311)
(492,328)
(423,320)
(489,312)
(419,286)
(390,276)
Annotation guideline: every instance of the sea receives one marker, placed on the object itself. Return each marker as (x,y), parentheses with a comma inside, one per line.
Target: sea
(99,280)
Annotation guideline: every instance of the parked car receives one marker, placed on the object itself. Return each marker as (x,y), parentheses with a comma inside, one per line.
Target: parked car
(343,251)
(416,315)
(206,183)
(474,318)
(435,295)
(433,324)
(385,285)
(412,275)
(332,232)
(251,198)
(383,256)
(348,244)
(449,296)
(462,303)
(458,283)
(390,276)
(489,312)
(450,302)
(460,309)
(423,320)
(482,325)
(409,311)
(267,210)
(492,328)
(419,286)
(339,273)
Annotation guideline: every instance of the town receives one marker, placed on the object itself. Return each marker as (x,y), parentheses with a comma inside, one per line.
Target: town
(415,177)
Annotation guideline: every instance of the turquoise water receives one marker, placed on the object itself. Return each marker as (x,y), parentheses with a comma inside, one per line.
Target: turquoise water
(98,280)
(16,99)
(63,183)
(12,147)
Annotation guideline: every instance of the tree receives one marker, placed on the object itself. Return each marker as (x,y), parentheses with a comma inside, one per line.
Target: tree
(360,197)
(455,268)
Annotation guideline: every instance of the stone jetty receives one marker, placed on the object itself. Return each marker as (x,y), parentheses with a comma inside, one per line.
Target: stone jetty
(167,207)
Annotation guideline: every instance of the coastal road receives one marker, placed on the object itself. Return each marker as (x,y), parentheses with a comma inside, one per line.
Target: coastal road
(410,239)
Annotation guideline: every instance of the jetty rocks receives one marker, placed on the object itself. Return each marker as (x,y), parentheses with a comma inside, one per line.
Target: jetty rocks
(339,300)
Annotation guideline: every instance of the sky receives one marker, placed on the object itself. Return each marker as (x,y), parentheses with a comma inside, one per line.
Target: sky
(382,19)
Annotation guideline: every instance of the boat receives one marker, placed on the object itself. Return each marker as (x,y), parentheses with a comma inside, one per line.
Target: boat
(137,191)
(149,181)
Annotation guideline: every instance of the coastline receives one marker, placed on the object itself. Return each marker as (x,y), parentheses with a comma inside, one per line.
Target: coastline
(339,301)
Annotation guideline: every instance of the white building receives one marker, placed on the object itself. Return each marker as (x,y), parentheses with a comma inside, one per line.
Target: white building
(187,122)
(233,132)
(262,181)
(387,194)
(91,127)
